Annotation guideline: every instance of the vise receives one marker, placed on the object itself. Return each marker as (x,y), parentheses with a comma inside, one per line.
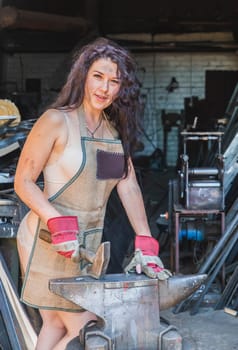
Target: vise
(127,306)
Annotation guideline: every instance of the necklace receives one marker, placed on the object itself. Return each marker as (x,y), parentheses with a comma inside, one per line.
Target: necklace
(97,127)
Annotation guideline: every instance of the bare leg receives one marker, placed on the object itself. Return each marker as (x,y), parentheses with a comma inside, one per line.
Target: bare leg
(73,323)
(60,327)
(52,331)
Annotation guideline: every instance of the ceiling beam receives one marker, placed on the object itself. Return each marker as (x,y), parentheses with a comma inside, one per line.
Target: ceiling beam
(13,18)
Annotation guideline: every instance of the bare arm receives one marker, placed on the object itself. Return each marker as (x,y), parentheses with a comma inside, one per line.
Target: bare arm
(131,197)
(132,200)
(41,146)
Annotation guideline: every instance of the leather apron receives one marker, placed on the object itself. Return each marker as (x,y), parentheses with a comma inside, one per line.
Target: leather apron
(85,196)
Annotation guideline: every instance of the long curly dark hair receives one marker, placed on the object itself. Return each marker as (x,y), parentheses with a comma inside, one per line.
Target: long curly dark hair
(125,111)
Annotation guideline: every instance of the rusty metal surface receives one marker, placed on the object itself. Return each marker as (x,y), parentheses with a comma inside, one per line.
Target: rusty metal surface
(177,288)
(89,292)
(128,305)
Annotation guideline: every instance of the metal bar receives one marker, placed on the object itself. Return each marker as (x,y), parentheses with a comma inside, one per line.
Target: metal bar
(203,171)
(227,291)
(8,320)
(177,242)
(220,244)
(209,281)
(202,133)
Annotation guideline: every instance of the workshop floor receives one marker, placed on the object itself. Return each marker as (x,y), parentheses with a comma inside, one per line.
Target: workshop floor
(207,330)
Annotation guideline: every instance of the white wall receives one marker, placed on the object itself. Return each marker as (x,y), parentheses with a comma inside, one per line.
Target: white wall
(155,72)
(19,67)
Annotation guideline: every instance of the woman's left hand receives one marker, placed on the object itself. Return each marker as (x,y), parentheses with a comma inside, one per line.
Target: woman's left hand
(146,259)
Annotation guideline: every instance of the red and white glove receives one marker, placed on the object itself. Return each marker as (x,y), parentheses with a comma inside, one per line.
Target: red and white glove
(146,259)
(64,234)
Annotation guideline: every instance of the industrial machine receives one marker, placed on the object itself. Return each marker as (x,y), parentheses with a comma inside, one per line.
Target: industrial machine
(219,258)
(202,187)
(197,200)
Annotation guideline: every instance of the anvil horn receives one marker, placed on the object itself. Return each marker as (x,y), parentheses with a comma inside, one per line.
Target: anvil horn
(177,288)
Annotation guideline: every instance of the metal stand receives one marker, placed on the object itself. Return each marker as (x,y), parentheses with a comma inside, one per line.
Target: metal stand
(199,192)
(178,214)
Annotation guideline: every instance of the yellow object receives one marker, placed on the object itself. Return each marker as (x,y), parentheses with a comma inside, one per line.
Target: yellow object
(230,311)
(8,108)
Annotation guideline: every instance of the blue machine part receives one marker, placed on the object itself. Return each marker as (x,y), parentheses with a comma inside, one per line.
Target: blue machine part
(191,234)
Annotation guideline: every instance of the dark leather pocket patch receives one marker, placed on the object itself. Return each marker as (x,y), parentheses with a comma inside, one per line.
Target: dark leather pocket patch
(110,165)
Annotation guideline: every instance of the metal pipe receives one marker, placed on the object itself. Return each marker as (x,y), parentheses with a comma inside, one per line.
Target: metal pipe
(203,171)
(219,246)
(219,265)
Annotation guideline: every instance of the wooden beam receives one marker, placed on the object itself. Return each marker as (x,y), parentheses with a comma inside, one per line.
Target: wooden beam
(11,17)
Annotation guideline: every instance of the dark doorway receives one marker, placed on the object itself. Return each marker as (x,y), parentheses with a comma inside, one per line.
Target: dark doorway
(219,88)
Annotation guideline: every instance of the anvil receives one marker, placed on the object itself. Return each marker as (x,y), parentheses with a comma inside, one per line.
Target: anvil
(127,305)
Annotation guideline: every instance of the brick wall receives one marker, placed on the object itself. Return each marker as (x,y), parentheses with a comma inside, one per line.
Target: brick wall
(155,73)
(20,67)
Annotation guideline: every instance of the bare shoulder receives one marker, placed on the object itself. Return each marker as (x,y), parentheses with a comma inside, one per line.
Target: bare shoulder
(52,118)
(51,124)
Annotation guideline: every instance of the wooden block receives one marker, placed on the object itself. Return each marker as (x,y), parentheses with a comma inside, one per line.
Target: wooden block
(230,311)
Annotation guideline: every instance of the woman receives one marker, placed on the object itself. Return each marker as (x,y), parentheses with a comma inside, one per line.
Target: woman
(82,145)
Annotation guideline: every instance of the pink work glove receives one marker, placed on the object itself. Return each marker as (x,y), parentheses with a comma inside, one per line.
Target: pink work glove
(64,234)
(148,246)
(146,258)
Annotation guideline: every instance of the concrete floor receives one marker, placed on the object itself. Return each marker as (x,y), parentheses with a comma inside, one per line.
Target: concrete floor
(209,329)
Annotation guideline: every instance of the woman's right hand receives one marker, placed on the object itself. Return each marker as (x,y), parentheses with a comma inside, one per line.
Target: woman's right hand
(64,234)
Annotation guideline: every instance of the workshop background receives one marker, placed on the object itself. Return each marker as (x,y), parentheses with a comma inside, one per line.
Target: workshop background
(195,43)
(186,161)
